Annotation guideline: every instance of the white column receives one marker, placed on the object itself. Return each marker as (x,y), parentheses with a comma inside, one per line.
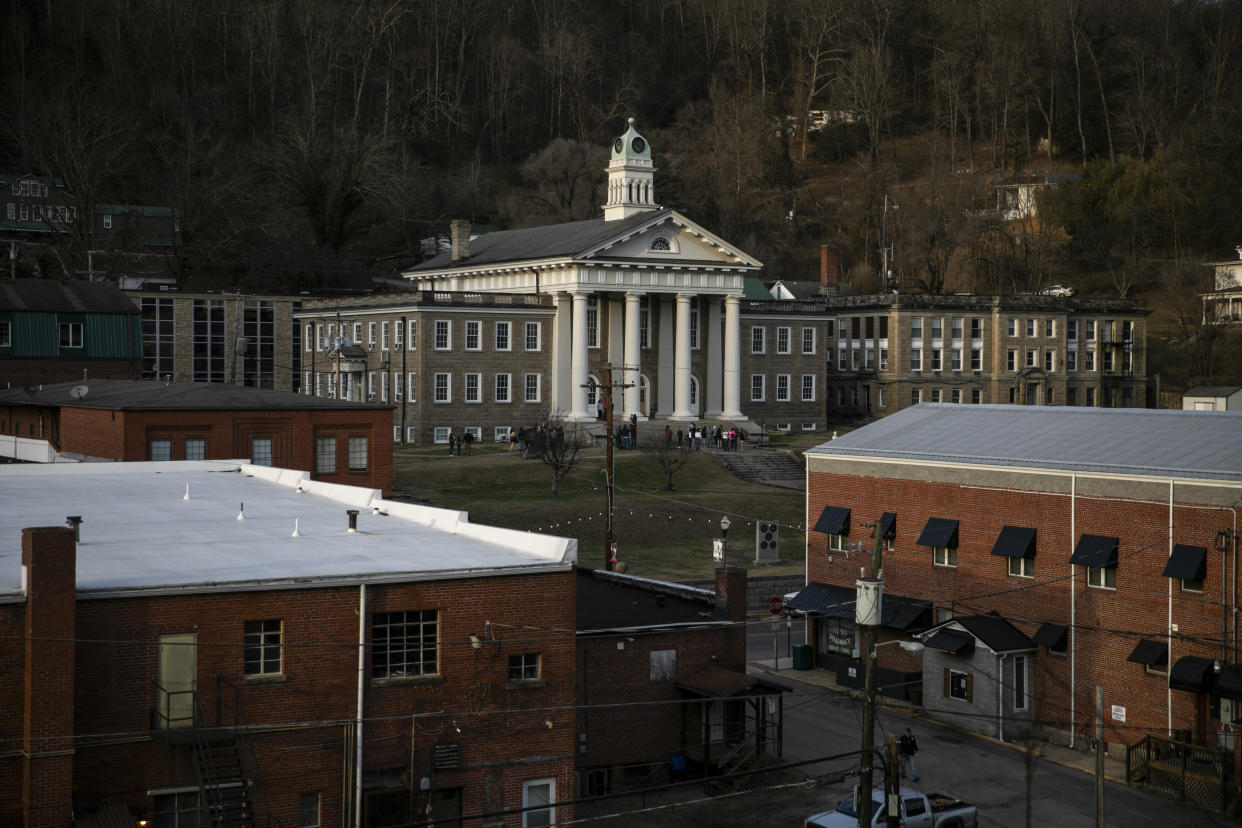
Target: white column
(732,361)
(578,361)
(664,367)
(715,359)
(616,328)
(681,360)
(633,355)
(559,398)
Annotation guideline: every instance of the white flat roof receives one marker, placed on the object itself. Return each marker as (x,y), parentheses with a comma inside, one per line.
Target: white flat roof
(141,536)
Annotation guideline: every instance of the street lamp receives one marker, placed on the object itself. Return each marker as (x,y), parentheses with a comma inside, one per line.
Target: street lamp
(725,523)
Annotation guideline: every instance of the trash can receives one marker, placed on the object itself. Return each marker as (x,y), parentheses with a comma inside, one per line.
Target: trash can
(802,657)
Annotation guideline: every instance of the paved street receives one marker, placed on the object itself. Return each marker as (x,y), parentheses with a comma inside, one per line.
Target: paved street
(1000,779)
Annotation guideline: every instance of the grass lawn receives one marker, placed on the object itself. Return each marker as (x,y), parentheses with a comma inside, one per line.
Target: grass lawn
(660,534)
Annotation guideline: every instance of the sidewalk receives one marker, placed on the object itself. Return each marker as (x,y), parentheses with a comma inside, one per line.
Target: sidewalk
(1114,766)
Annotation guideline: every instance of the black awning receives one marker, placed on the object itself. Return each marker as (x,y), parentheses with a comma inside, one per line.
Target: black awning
(1149,653)
(1095,551)
(1192,674)
(897,612)
(939,532)
(1015,542)
(1052,636)
(888,526)
(834,520)
(1229,682)
(951,641)
(1187,562)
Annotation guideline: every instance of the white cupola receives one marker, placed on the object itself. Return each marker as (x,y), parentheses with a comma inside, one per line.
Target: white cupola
(631,184)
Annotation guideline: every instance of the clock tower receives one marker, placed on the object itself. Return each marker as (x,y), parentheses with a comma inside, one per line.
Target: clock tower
(631,186)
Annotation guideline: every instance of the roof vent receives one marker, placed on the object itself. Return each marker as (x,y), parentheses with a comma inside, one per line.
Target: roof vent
(186,496)
(353,519)
(241,511)
(296,533)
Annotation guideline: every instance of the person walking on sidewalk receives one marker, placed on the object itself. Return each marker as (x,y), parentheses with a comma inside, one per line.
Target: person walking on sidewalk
(908,747)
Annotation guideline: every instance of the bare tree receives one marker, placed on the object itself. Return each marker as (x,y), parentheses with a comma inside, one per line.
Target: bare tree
(562,445)
(671,457)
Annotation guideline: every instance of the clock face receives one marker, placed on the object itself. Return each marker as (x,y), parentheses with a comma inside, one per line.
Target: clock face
(638,144)
(618,146)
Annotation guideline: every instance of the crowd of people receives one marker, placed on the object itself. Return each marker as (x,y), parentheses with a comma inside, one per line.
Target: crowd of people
(532,441)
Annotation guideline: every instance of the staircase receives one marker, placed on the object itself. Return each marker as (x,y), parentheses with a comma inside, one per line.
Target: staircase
(217,757)
(772,467)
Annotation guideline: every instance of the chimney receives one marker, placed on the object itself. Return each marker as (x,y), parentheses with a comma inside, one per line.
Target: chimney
(460,231)
(731,593)
(49,575)
(829,268)
(353,519)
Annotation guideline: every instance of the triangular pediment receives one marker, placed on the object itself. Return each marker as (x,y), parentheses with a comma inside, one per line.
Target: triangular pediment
(668,238)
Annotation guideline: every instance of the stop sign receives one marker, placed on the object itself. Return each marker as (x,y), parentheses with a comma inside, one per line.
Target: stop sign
(775,605)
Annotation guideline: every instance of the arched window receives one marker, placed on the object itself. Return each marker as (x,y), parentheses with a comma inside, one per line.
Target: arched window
(592,389)
(662,244)
(694,393)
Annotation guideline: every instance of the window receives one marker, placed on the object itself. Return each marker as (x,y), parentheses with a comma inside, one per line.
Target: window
(782,340)
(440,434)
(936,328)
(357,454)
(808,388)
(975,396)
(502,388)
(320,341)
(473,340)
(397,391)
(308,810)
(502,336)
(500,434)
(955,328)
(1090,396)
(884,359)
(1019,683)
(1012,326)
(956,359)
(195,448)
(159,450)
(1102,577)
(370,335)
(944,555)
(1071,360)
(663,665)
(592,322)
(661,244)
(261,451)
(1090,324)
(474,431)
(471,391)
(1050,328)
(916,359)
(1088,360)
(261,655)
(411,340)
(958,685)
(1030,357)
(1050,361)
(1030,328)
(524,667)
(843,359)
(757,387)
(325,455)
(178,810)
(916,327)
(1022,567)
(808,340)
(883,401)
(531,384)
(443,393)
(404,644)
(916,396)
(935,358)
(976,328)
(384,335)
(757,340)
(398,334)
(71,334)
(370,387)
(957,395)
(409,385)
(158,339)
(644,327)
(1107,361)
(443,336)
(1012,360)
(782,387)
(532,336)
(538,792)
(838,543)
(694,326)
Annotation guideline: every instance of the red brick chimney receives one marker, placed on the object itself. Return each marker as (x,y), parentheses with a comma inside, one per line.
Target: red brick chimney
(459,231)
(829,267)
(731,593)
(49,574)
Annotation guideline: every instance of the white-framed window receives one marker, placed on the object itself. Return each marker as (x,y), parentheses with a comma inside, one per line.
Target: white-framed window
(1102,577)
(500,434)
(976,328)
(537,792)
(644,327)
(694,325)
(440,434)
(662,666)
(916,327)
(955,359)
(474,340)
(1012,327)
(409,386)
(371,335)
(474,431)
(1030,328)
(503,390)
(1090,329)
(524,666)
(260,451)
(398,335)
(1071,329)
(592,322)
(884,359)
(808,340)
(443,340)
(782,387)
(1011,359)
(782,340)
(308,810)
(956,396)
(71,334)
(502,336)
(976,359)
(916,359)
(975,396)
(320,342)
(405,644)
(385,332)
(1050,360)
(869,358)
(325,455)
(533,336)
(757,387)
(838,543)
(471,392)
(1030,357)
(180,809)
(397,395)
(411,434)
(1088,360)
(883,397)
(531,385)
(936,355)
(1022,567)
(757,339)
(262,651)
(843,359)
(935,395)
(195,448)
(308,335)
(808,426)
(916,396)
(384,387)
(370,386)
(808,388)
(1050,328)
(159,449)
(958,684)
(411,339)
(443,389)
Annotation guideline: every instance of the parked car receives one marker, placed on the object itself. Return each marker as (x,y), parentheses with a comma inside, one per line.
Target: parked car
(918,810)
(1059,290)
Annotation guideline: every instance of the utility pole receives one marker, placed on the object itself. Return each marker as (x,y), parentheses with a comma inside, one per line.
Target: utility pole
(867,608)
(1099,756)
(894,784)
(610,544)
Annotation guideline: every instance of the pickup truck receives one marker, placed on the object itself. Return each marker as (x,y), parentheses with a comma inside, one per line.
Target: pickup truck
(918,810)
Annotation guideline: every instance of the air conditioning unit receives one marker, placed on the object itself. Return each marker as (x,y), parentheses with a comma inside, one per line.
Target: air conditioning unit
(370,346)
(371,397)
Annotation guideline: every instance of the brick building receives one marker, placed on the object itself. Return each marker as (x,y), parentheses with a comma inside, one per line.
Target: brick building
(1106,539)
(335,441)
(662,673)
(184,657)
(55,331)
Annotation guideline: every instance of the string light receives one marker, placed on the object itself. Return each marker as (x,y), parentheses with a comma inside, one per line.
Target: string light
(667,517)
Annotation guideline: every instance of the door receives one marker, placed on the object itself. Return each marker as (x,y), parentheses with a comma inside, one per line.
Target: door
(175,687)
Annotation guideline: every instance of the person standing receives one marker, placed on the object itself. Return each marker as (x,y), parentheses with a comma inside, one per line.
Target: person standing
(908,747)
(512,440)
(467,440)
(633,432)
(452,443)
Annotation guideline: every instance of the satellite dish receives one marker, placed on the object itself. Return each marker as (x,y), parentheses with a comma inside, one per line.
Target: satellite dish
(79,391)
